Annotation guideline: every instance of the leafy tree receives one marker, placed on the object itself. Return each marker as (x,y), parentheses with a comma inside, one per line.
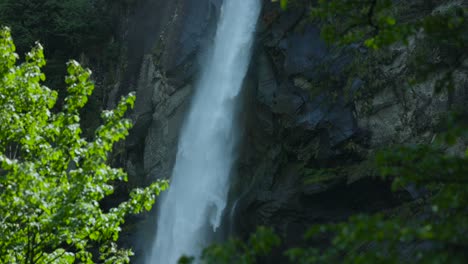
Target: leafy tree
(52,179)
(259,244)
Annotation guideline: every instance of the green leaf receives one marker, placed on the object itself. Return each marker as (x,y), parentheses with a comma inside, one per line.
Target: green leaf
(53,181)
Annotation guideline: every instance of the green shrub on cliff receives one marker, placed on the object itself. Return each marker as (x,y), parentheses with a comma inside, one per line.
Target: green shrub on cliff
(52,179)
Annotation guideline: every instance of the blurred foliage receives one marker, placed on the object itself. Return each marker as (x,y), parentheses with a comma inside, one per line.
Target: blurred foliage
(259,244)
(67,28)
(433,228)
(435,234)
(51,179)
(73,25)
(379,23)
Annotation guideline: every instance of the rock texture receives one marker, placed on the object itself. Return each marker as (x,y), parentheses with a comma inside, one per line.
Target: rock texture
(305,111)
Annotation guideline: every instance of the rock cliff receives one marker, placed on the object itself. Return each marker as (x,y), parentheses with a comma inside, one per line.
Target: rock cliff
(306,111)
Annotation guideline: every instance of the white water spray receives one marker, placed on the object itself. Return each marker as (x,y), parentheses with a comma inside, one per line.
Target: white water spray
(193,206)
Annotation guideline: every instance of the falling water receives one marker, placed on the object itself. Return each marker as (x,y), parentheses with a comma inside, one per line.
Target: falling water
(193,206)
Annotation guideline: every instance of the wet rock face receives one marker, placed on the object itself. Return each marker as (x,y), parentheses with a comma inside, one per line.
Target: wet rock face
(298,117)
(304,52)
(164,43)
(172,32)
(286,126)
(299,126)
(290,128)
(194,24)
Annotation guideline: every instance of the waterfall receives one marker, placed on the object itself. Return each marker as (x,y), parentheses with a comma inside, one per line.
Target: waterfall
(192,208)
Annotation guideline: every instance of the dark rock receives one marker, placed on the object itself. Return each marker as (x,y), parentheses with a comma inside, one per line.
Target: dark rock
(336,117)
(342,123)
(338,62)
(264,120)
(282,25)
(355,86)
(284,206)
(196,19)
(287,100)
(267,83)
(314,112)
(139,130)
(316,188)
(147,16)
(145,87)
(304,52)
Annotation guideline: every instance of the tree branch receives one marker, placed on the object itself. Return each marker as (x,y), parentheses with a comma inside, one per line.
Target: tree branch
(370,15)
